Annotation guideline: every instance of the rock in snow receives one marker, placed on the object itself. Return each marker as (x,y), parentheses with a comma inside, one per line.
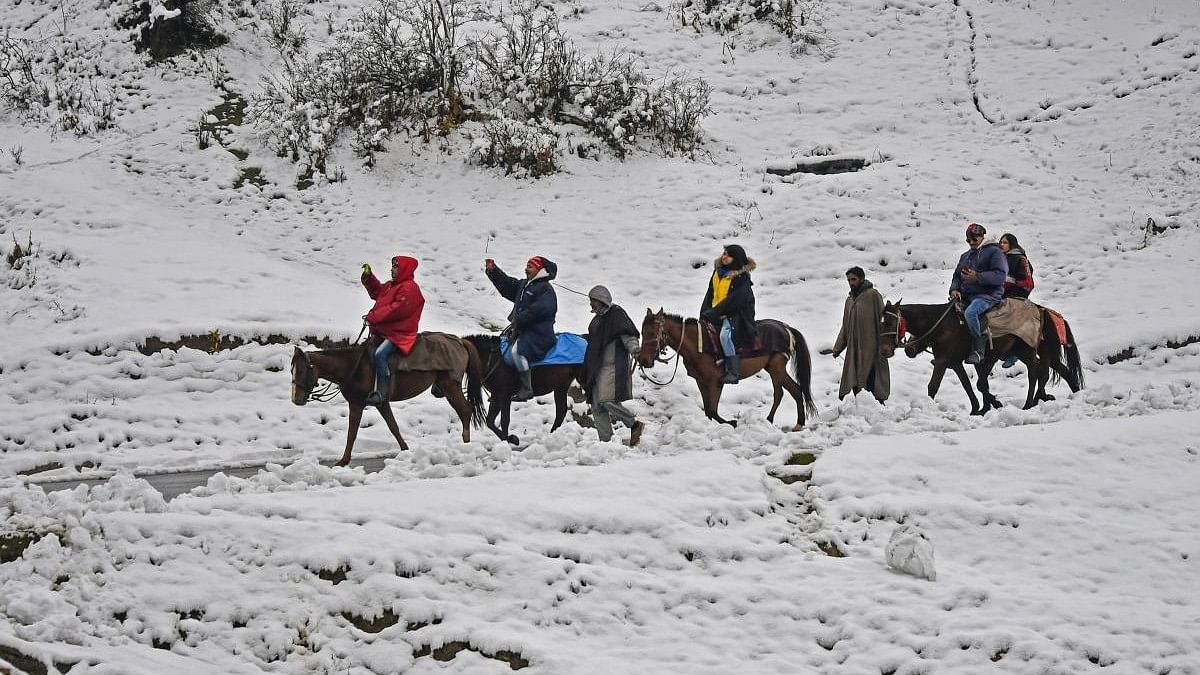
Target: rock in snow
(910,551)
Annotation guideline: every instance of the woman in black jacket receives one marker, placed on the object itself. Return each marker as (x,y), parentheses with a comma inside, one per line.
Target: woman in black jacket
(729,305)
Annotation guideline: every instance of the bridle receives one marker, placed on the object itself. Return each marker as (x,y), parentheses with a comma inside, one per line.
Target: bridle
(660,324)
(328,391)
(913,346)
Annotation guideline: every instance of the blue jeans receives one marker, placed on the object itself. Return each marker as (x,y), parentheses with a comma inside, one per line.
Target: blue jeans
(973,311)
(385,349)
(521,363)
(727,339)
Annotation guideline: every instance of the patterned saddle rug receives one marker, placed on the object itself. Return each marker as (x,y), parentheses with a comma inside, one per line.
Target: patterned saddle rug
(771,336)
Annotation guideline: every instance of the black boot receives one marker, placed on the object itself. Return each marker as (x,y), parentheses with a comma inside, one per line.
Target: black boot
(380,395)
(526,391)
(978,346)
(732,365)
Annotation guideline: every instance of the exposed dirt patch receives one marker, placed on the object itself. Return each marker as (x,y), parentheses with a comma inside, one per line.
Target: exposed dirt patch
(13,544)
(451,649)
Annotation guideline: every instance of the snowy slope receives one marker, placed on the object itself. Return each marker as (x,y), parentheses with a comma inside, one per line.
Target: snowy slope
(1063,538)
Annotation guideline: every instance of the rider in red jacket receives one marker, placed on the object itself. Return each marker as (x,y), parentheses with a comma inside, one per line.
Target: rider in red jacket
(397,311)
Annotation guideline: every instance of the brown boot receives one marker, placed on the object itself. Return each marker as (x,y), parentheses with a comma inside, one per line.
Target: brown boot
(635,434)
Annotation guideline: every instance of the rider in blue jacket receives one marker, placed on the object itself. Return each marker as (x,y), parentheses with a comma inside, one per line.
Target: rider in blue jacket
(532,318)
(978,284)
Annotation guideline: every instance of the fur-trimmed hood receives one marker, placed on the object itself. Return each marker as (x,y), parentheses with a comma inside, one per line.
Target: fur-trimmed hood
(749,267)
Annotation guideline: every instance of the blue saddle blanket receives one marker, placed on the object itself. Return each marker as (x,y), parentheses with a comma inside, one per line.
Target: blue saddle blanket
(569,350)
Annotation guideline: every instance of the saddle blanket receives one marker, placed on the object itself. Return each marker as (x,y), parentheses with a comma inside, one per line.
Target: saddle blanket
(569,350)
(1016,316)
(770,337)
(1060,325)
(433,351)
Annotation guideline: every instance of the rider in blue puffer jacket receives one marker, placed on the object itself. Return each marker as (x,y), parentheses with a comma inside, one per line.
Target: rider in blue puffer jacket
(532,318)
(979,284)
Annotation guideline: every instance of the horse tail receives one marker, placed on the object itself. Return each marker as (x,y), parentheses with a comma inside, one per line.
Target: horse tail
(1074,363)
(474,382)
(802,371)
(1052,350)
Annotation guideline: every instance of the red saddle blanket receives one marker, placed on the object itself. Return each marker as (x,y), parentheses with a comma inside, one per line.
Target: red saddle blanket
(770,337)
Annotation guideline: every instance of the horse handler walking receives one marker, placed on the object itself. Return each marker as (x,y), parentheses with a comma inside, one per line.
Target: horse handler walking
(607,366)
(865,366)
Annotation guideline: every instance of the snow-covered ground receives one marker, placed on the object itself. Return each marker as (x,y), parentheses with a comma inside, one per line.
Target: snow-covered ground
(1065,536)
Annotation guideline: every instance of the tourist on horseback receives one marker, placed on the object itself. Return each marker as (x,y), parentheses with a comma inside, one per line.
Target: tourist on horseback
(394,318)
(978,284)
(531,327)
(1019,281)
(865,366)
(729,305)
(608,375)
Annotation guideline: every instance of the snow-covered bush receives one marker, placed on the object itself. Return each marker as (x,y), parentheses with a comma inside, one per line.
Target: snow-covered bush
(166,28)
(404,66)
(798,19)
(523,148)
(51,82)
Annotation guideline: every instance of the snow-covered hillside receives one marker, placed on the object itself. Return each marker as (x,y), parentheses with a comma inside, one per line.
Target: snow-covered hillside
(1063,535)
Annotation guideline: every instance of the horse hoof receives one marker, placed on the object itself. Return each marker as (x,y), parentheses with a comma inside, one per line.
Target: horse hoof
(732,423)
(513,440)
(798,427)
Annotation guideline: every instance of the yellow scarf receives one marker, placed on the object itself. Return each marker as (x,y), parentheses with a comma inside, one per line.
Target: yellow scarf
(720,287)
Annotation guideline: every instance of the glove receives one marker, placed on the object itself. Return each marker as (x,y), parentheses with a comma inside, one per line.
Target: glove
(366,269)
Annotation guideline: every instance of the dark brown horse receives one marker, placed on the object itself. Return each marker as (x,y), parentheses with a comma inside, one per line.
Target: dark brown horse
(351,371)
(502,382)
(939,329)
(661,330)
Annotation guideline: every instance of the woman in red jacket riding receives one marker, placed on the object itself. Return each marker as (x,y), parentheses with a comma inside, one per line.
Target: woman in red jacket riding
(397,311)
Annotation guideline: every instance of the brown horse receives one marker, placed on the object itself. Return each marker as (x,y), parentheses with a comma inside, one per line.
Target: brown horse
(939,329)
(351,371)
(661,330)
(502,381)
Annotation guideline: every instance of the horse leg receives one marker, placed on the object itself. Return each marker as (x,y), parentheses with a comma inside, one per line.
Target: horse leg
(356,413)
(505,414)
(560,407)
(966,384)
(777,376)
(983,370)
(797,393)
(386,411)
(1033,370)
(714,400)
(453,392)
(935,380)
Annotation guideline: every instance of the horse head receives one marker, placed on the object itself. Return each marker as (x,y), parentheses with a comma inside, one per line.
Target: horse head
(652,328)
(304,377)
(891,329)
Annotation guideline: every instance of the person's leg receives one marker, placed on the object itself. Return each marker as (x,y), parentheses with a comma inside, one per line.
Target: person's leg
(731,357)
(616,409)
(383,372)
(522,365)
(603,423)
(978,342)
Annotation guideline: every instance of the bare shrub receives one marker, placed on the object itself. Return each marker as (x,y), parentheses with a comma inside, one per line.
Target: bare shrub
(523,148)
(47,82)
(167,28)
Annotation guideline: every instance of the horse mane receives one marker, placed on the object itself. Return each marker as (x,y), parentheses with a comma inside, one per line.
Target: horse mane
(680,319)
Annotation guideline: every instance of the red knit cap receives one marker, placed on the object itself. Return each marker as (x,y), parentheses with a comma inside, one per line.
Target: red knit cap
(537,262)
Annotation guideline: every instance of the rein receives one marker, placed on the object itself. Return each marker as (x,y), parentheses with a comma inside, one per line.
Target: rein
(915,343)
(329,391)
(658,340)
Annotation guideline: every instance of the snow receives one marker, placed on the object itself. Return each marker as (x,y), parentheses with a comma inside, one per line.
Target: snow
(1065,535)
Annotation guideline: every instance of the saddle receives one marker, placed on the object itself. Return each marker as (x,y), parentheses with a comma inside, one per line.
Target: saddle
(770,337)
(432,351)
(1011,316)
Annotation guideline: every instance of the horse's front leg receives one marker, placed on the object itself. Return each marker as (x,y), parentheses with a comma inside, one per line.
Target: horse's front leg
(356,413)
(983,371)
(966,385)
(714,400)
(505,415)
(386,411)
(560,408)
(935,380)
(1033,371)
